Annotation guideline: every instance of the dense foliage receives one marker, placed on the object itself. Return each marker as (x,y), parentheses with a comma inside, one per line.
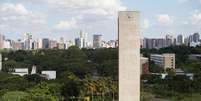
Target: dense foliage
(178,88)
(81,74)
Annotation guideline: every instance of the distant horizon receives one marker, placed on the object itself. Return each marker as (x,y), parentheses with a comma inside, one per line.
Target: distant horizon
(64,18)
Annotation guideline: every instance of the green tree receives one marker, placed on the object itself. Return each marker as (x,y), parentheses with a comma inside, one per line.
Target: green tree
(14,96)
(41,92)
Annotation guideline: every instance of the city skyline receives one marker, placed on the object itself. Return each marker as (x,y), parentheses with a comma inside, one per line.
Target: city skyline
(58,18)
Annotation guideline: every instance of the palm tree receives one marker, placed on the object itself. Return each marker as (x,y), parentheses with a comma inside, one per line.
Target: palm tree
(114,89)
(103,87)
(90,86)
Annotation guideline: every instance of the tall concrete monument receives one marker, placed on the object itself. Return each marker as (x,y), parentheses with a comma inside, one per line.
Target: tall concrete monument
(129,56)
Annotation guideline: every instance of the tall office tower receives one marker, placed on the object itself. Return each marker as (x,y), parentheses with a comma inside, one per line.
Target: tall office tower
(129,56)
(196,37)
(33,45)
(174,41)
(150,43)
(40,43)
(0,62)
(2,39)
(160,43)
(97,41)
(45,43)
(53,44)
(179,40)
(77,42)
(85,44)
(144,43)
(169,40)
(18,45)
(61,44)
(190,38)
(27,41)
(83,39)
(186,41)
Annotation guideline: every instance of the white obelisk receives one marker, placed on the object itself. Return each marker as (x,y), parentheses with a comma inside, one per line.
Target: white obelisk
(129,56)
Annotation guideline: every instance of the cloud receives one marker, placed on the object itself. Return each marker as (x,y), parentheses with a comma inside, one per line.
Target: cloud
(98,7)
(183,1)
(196,17)
(65,25)
(60,16)
(15,18)
(146,24)
(13,9)
(165,19)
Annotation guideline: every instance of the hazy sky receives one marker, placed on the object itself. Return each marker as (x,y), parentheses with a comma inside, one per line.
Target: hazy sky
(64,18)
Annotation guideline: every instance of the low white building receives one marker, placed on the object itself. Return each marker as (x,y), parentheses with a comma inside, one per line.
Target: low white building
(50,74)
(20,71)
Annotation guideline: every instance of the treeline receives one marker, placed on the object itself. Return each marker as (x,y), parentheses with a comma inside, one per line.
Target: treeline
(81,74)
(172,85)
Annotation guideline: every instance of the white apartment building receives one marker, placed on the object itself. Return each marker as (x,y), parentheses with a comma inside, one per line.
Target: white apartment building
(165,61)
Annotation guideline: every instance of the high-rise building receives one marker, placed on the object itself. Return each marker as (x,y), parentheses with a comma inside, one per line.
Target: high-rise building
(154,43)
(40,43)
(169,40)
(27,41)
(61,44)
(129,55)
(97,41)
(179,39)
(77,42)
(160,43)
(190,39)
(18,45)
(186,41)
(196,37)
(53,44)
(81,42)
(165,61)
(34,45)
(46,43)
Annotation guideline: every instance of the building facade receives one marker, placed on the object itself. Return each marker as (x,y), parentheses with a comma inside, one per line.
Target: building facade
(179,40)
(97,41)
(164,61)
(46,43)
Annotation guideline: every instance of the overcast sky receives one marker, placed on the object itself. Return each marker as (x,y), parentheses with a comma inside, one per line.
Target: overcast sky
(64,18)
